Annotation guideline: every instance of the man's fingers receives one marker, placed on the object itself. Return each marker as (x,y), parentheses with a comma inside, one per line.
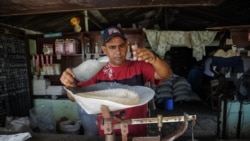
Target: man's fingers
(134,47)
(70,72)
(144,54)
(67,78)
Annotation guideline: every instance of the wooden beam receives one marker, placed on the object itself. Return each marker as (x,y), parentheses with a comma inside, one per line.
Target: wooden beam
(241,27)
(25,7)
(165,18)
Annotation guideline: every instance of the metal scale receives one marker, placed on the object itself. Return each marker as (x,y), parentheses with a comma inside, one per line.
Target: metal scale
(108,127)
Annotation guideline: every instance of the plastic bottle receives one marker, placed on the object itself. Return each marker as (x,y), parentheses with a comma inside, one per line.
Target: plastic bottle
(87,49)
(96,48)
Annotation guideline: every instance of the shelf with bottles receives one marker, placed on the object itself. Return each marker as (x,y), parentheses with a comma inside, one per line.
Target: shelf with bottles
(50,65)
(133,36)
(93,52)
(50,55)
(68,44)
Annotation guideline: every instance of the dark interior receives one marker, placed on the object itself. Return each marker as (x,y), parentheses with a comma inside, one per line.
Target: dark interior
(209,98)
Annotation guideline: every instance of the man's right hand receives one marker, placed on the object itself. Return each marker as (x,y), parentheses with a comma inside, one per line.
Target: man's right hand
(68,78)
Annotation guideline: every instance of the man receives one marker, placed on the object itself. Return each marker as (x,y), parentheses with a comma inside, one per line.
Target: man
(146,67)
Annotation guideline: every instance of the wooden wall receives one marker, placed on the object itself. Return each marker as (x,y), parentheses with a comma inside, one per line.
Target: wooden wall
(240,38)
(239,34)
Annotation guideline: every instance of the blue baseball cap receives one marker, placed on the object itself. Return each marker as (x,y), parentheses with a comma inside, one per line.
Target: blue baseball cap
(111,32)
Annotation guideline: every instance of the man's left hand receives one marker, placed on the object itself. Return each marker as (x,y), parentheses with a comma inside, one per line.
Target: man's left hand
(143,54)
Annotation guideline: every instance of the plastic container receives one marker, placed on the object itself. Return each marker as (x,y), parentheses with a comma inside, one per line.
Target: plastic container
(70,46)
(59,46)
(70,127)
(169,104)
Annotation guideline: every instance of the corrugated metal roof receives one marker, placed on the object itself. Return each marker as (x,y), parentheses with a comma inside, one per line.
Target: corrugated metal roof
(227,13)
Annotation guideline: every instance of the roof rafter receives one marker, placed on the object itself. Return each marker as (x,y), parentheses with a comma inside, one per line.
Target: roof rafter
(26,7)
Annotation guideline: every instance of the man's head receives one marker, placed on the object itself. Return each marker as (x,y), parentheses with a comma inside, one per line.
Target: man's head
(115,45)
(111,32)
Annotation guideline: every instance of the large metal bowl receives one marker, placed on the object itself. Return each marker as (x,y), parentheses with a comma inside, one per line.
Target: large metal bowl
(93,106)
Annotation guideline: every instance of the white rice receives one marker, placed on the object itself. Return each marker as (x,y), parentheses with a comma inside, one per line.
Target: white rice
(119,95)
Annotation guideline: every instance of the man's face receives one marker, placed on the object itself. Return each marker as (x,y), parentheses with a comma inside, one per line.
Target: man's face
(116,49)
